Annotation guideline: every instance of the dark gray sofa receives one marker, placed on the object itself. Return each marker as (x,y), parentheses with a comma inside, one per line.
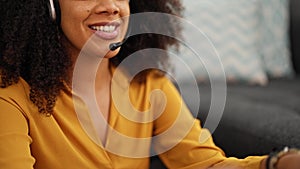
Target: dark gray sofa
(257,119)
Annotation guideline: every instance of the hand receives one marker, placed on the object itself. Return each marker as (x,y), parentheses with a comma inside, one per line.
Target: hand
(289,161)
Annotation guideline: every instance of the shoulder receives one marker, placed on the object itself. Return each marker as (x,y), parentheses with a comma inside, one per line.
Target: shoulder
(16,95)
(14,91)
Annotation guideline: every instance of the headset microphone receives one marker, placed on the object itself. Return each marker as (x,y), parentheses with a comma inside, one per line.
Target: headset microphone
(54,12)
(114,46)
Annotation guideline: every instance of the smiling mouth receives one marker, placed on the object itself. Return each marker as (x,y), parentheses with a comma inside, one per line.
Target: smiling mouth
(106,28)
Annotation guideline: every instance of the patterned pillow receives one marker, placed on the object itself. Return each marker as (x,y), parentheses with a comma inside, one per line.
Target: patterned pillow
(275,39)
(232,26)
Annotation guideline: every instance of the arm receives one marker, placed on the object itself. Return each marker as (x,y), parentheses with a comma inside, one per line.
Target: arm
(191,152)
(285,159)
(263,164)
(289,161)
(14,138)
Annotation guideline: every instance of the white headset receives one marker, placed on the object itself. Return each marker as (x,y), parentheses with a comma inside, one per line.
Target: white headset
(52,10)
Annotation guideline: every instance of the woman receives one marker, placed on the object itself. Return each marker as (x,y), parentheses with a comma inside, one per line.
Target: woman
(40,113)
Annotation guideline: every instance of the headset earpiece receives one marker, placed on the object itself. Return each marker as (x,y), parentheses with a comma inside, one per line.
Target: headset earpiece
(54,10)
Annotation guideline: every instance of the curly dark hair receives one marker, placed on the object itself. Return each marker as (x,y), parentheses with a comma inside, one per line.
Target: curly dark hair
(31,46)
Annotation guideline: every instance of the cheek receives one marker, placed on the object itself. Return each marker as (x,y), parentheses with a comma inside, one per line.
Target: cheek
(69,32)
(125,11)
(72,25)
(74,11)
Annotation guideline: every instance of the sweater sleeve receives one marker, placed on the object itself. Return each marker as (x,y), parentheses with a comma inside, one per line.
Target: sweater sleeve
(14,139)
(179,144)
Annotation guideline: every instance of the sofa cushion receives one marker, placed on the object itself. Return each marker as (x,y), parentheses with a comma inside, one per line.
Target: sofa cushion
(256,119)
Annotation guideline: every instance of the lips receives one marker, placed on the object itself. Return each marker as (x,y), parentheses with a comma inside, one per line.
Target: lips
(106,30)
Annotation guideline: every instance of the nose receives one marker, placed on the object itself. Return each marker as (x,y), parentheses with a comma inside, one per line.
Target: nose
(107,7)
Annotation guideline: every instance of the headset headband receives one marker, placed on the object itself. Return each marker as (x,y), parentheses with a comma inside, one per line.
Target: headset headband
(52,10)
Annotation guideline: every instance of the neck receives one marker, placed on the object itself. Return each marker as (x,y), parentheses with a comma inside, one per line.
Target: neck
(90,69)
(103,76)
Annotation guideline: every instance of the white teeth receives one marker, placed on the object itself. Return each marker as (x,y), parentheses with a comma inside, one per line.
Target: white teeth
(110,28)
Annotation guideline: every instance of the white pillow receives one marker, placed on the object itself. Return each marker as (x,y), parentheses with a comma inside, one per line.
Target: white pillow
(275,38)
(233,28)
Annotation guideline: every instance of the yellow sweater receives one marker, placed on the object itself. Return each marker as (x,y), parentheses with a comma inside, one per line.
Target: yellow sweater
(65,141)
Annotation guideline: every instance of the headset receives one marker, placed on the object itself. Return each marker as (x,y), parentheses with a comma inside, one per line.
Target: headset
(54,10)
(55,16)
